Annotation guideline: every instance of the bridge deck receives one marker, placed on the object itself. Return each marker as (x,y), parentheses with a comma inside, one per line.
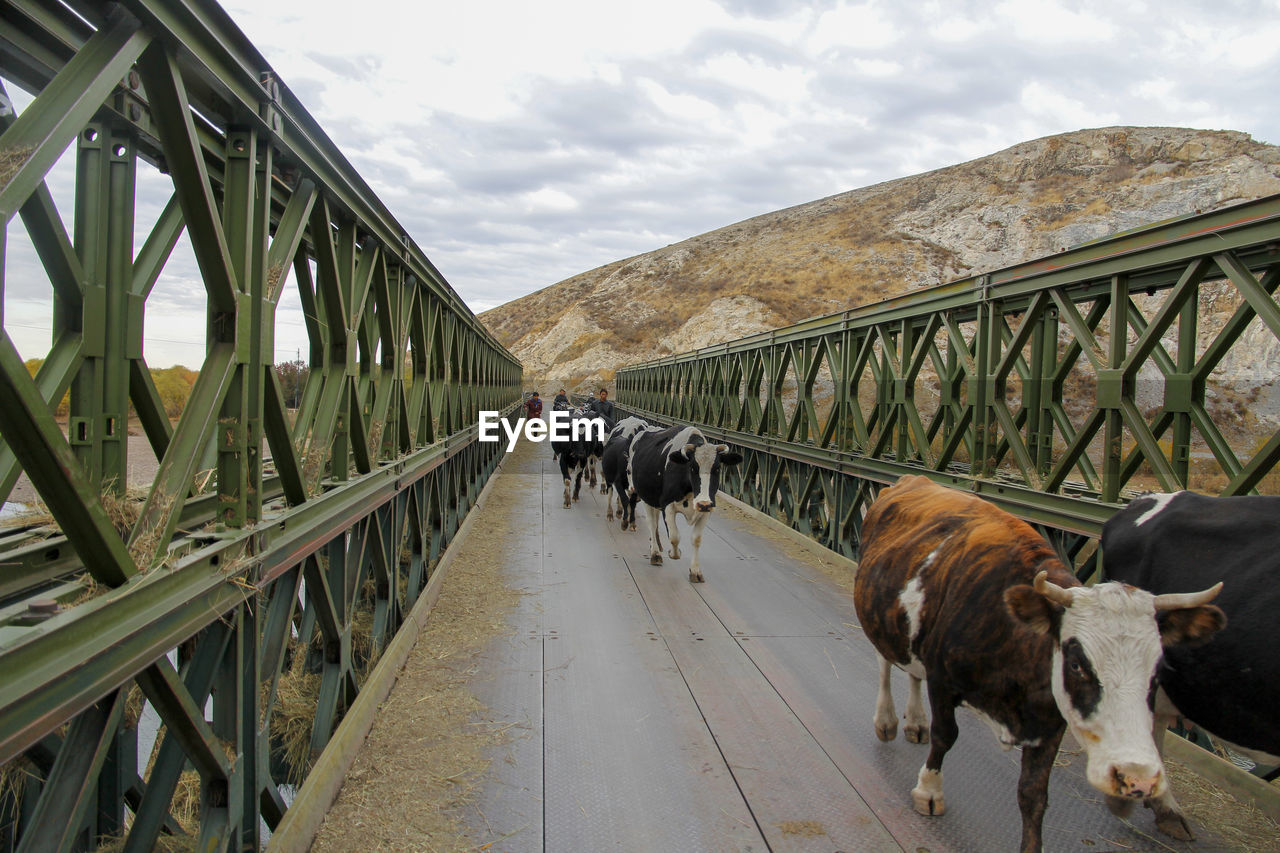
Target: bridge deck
(732,715)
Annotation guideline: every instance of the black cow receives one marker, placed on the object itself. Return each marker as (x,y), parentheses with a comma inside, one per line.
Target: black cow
(1230,685)
(613,469)
(676,470)
(967,597)
(578,451)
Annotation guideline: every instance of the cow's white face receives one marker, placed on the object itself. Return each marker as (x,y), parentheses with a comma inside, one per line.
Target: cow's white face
(1109,639)
(1107,653)
(704,459)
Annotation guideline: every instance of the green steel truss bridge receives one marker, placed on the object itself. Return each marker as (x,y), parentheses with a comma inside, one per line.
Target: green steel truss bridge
(1057,388)
(263,523)
(284,544)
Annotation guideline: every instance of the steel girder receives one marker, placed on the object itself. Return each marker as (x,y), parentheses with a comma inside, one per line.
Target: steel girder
(276,548)
(1010,384)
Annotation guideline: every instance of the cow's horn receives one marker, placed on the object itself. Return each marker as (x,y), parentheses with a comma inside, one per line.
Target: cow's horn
(1052,591)
(688,450)
(1180,600)
(722,448)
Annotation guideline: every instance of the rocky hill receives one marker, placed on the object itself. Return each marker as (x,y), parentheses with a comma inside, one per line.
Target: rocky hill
(1021,203)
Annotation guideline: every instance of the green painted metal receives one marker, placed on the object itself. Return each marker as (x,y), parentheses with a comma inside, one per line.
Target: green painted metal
(277,551)
(1010,384)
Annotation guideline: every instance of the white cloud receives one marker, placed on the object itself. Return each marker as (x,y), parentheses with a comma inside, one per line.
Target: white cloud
(1047,21)
(546,199)
(1053,104)
(854,25)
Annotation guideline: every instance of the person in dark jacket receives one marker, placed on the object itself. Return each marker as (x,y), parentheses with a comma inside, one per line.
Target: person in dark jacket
(561,402)
(602,405)
(533,406)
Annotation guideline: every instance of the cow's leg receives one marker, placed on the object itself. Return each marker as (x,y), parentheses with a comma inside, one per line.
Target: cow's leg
(673,532)
(577,482)
(695,536)
(1033,788)
(655,542)
(927,794)
(567,501)
(632,500)
(1169,817)
(886,719)
(609,506)
(591,470)
(917,728)
(605,485)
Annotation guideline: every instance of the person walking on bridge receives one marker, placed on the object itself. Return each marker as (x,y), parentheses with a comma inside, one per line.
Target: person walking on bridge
(533,406)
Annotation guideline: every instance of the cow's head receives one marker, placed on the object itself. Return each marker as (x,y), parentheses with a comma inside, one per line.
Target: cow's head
(704,460)
(1108,639)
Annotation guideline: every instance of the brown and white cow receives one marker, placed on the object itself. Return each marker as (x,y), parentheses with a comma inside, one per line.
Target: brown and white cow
(972,600)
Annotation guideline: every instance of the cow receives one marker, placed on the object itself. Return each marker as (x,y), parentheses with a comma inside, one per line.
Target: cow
(613,469)
(593,446)
(577,453)
(676,470)
(572,458)
(1230,685)
(972,600)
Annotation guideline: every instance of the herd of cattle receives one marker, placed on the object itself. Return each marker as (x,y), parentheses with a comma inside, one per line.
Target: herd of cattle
(974,602)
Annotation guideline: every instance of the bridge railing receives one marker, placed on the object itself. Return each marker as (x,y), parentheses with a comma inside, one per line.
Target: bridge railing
(199,640)
(1056,388)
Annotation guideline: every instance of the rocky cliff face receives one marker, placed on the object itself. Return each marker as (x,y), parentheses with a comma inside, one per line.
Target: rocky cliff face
(845,250)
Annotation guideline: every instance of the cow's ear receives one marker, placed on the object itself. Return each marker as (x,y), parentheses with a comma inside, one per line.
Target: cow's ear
(1033,609)
(733,457)
(1190,626)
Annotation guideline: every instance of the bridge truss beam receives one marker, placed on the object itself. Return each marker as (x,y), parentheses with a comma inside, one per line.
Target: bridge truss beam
(1056,388)
(240,602)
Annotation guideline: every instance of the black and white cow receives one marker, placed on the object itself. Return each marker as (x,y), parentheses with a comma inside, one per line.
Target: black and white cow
(1230,685)
(965,596)
(676,470)
(592,442)
(613,469)
(572,458)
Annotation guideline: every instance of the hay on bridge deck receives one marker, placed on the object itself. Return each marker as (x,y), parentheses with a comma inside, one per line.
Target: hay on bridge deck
(425,757)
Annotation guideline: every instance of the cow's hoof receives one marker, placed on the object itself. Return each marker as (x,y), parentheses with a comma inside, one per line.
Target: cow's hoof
(695,577)
(929,803)
(1174,826)
(915,734)
(1171,822)
(632,526)
(655,559)
(887,731)
(673,554)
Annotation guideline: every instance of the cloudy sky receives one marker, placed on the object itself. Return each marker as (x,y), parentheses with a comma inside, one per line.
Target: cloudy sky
(521,143)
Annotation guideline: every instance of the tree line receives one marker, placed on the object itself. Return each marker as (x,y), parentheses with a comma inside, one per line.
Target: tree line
(174,384)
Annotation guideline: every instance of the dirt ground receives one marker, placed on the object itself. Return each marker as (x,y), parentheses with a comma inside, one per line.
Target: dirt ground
(142,468)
